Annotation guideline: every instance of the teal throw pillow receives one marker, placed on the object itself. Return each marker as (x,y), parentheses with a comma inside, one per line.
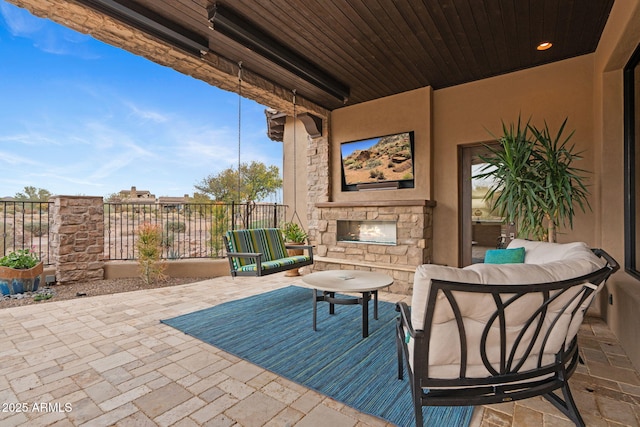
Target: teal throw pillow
(504,256)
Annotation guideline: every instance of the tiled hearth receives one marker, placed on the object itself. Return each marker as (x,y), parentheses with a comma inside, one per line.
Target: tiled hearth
(360,235)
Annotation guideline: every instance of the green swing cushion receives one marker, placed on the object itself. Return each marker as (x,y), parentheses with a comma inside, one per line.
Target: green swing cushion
(267,241)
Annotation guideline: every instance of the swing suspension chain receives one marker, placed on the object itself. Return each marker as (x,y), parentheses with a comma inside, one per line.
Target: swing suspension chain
(239,124)
(295,157)
(295,172)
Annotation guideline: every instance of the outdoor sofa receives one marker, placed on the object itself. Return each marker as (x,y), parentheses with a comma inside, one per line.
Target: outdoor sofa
(491,333)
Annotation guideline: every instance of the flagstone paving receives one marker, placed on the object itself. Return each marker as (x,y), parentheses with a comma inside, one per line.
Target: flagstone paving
(107,360)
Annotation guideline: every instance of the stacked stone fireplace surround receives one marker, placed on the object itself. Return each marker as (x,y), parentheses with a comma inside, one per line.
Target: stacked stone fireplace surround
(413,244)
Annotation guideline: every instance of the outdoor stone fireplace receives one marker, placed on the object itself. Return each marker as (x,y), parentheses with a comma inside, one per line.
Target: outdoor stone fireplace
(392,237)
(371,232)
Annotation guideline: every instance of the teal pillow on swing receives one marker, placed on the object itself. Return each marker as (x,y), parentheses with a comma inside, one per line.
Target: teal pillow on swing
(504,256)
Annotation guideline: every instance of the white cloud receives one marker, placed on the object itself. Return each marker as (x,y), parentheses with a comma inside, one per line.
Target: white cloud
(111,166)
(31,138)
(45,36)
(146,114)
(50,176)
(214,147)
(12,159)
(19,22)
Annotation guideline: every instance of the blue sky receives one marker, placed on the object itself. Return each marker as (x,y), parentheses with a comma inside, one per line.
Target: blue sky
(347,148)
(80,117)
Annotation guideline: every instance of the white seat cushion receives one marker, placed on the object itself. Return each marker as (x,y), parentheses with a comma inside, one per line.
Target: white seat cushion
(544,263)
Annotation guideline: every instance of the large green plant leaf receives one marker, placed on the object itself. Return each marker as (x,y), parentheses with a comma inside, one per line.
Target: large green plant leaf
(564,184)
(535,184)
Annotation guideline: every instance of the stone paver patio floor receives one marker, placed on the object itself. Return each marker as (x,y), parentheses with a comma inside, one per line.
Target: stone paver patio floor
(107,360)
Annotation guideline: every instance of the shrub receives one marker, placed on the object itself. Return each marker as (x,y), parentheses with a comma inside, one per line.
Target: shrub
(6,237)
(37,229)
(174,254)
(168,239)
(376,174)
(373,163)
(149,245)
(176,226)
(219,224)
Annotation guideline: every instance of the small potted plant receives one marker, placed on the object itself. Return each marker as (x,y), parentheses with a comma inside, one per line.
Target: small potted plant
(20,271)
(293,235)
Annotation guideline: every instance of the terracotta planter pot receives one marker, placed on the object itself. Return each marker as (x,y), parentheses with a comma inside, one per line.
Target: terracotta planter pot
(17,281)
(293,252)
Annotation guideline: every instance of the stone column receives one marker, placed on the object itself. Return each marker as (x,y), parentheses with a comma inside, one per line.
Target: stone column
(318,183)
(77,238)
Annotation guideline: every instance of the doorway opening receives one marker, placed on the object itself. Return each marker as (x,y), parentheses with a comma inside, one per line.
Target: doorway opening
(480,228)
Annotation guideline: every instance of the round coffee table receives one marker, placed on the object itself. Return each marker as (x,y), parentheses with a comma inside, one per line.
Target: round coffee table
(331,281)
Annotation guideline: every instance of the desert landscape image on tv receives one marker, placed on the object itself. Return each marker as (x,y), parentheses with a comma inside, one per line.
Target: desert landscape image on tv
(388,158)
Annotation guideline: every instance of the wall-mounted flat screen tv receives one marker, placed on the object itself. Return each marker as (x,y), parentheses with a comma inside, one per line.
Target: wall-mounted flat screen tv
(378,163)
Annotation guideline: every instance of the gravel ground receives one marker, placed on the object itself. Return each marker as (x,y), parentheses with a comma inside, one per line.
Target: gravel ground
(87,289)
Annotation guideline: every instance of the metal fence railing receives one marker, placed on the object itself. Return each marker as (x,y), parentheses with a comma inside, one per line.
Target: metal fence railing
(26,225)
(189,230)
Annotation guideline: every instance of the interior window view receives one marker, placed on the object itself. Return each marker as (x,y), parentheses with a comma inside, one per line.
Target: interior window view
(345,213)
(488,231)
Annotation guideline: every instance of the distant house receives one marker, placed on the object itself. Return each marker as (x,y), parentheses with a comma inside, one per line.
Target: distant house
(137,196)
(144,197)
(173,203)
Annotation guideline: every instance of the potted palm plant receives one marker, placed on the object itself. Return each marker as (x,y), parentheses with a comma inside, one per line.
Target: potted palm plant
(293,234)
(535,183)
(20,271)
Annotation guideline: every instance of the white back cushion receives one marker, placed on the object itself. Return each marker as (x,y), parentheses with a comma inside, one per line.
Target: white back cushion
(545,252)
(544,262)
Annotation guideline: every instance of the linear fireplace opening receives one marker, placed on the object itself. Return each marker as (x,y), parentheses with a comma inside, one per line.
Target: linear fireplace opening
(371,232)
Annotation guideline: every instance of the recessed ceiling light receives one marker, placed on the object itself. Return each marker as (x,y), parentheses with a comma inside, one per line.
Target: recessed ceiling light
(544,45)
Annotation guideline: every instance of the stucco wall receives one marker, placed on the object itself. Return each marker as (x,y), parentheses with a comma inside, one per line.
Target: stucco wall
(620,300)
(295,171)
(465,114)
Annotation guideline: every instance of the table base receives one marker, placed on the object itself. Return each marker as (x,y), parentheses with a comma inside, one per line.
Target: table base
(330,297)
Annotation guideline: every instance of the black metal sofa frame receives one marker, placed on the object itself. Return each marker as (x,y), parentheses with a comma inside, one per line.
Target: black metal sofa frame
(509,380)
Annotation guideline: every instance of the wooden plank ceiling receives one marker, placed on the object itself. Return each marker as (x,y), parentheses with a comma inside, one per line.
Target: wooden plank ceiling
(382,47)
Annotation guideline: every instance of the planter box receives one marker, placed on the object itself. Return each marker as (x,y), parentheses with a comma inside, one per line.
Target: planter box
(15,281)
(292,252)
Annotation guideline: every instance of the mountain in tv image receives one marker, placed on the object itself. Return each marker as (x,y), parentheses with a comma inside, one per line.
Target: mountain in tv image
(378,160)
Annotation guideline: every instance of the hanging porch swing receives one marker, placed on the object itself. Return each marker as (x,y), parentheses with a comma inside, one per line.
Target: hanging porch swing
(262,251)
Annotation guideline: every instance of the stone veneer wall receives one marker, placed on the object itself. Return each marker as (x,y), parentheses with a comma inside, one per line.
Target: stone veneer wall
(414,239)
(317,167)
(77,238)
(414,217)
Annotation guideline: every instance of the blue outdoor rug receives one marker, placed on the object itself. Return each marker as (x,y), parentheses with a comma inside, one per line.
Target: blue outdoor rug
(274,330)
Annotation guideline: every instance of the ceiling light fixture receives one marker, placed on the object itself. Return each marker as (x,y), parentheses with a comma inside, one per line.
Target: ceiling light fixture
(237,28)
(153,24)
(544,46)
